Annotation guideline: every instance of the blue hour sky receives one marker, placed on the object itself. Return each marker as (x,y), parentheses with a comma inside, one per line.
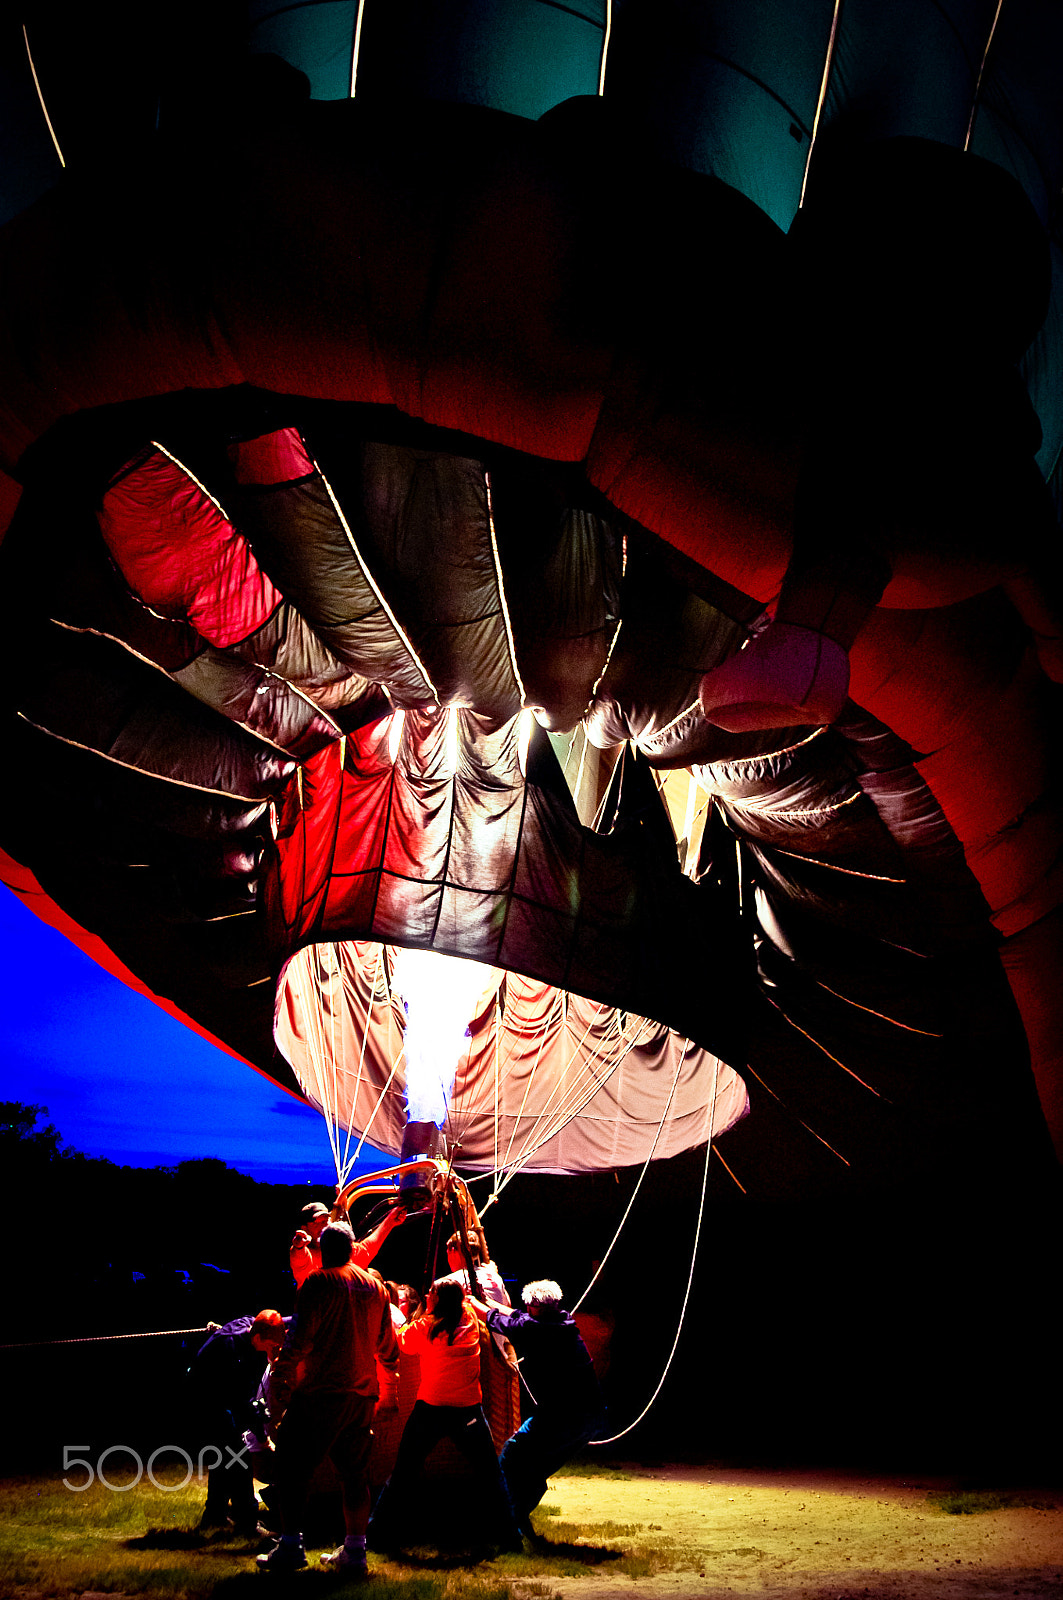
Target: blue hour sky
(123,1079)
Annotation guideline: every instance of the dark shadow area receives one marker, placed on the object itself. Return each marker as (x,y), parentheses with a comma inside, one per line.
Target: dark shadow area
(588,1555)
(217,1542)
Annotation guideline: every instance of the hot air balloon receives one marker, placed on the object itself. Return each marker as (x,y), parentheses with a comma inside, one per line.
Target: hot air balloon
(577,497)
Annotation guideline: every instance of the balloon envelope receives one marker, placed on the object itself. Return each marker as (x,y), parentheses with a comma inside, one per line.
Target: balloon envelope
(364,432)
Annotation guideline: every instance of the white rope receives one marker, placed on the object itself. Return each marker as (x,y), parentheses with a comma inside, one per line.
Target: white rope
(356,48)
(571,1109)
(111,1338)
(498,1035)
(580,1095)
(828,65)
(544,1111)
(690,1280)
(531,1078)
(40,97)
(575,1098)
(605,45)
(379,1103)
(977,100)
(454,1118)
(348,1159)
(316,1051)
(335,972)
(638,1186)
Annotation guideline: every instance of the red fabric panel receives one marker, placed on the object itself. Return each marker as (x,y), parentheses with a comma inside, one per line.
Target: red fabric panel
(176,549)
(957,685)
(424,265)
(10,495)
(1033,961)
(331,834)
(717,496)
(103,331)
(278,457)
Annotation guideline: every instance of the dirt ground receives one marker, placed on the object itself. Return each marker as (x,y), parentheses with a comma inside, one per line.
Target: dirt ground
(816,1535)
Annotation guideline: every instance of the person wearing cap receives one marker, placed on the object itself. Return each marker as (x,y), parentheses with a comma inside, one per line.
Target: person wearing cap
(558,1375)
(226,1373)
(304,1252)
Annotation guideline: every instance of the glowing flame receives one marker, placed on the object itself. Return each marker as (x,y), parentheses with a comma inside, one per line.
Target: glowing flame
(439,995)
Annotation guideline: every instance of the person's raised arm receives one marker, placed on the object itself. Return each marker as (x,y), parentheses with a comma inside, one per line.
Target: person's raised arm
(365,1249)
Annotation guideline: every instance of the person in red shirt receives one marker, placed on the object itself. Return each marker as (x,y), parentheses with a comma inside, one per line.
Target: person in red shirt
(304,1252)
(449,1405)
(326,1382)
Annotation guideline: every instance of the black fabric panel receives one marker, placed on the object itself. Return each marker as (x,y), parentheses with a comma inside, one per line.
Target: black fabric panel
(54,558)
(562,566)
(165,876)
(669,637)
(299,541)
(422,520)
(289,648)
(90,692)
(257,700)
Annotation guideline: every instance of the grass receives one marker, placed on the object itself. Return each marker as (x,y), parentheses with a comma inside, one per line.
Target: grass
(971,1502)
(591,1469)
(138,1539)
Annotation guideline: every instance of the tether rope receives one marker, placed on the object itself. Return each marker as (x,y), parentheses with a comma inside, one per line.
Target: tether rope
(319,970)
(554,1120)
(110,1338)
(690,1279)
(638,1186)
(379,1102)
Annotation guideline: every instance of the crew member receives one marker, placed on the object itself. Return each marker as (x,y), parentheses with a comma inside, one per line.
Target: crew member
(326,1380)
(304,1252)
(448,1406)
(226,1373)
(558,1374)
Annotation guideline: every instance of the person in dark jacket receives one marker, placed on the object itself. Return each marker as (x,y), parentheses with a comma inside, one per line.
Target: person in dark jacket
(226,1374)
(558,1374)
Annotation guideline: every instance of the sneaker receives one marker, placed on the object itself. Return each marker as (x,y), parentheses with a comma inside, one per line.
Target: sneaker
(284,1557)
(352,1562)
